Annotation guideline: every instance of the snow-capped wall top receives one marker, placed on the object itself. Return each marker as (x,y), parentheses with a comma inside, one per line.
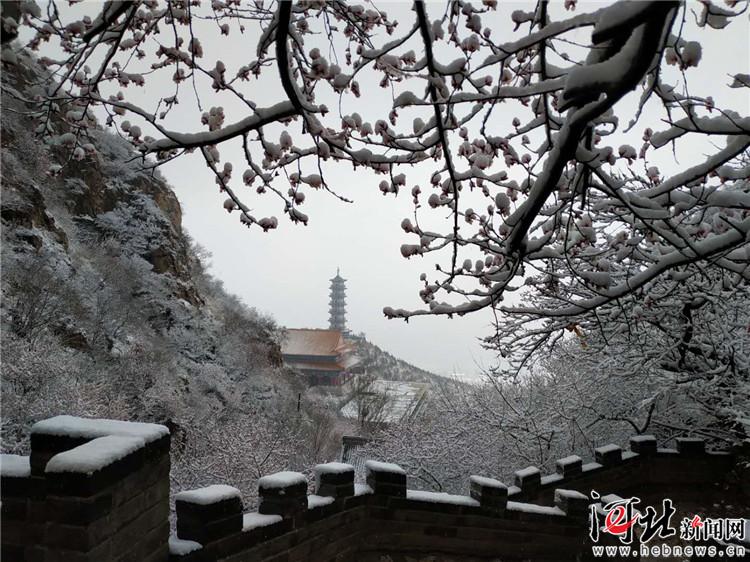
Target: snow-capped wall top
(533,508)
(566,461)
(94,455)
(642,439)
(528,471)
(314,501)
(281,480)
(570,494)
(377,466)
(333,468)
(72,426)
(486,482)
(254,520)
(608,448)
(440,497)
(14,466)
(208,495)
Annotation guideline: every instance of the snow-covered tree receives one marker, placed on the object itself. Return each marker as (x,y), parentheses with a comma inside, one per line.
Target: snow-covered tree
(238,450)
(583,395)
(370,405)
(678,361)
(36,385)
(550,148)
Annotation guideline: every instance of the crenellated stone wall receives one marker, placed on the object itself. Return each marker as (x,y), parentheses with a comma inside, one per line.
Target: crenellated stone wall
(687,471)
(98,490)
(92,491)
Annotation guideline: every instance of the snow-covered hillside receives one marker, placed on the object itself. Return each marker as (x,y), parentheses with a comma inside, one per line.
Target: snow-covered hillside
(107,309)
(382,365)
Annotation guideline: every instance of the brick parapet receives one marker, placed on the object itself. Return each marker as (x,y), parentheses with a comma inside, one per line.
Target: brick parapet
(644,466)
(120,512)
(116,510)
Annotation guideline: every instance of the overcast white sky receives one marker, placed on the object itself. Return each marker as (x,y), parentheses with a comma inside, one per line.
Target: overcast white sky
(286,272)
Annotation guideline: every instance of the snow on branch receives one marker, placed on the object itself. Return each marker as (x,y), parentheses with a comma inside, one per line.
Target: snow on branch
(502,126)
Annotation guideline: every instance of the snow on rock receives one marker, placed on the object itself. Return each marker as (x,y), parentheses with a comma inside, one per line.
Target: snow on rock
(208,495)
(590,466)
(608,448)
(486,482)
(314,501)
(254,520)
(14,466)
(440,497)
(94,455)
(377,466)
(181,547)
(283,479)
(642,439)
(91,428)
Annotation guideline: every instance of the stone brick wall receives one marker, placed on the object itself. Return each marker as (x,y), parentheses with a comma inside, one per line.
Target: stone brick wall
(117,513)
(687,472)
(120,511)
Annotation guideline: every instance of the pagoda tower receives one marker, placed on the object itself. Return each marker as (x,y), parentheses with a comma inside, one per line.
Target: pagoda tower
(337,304)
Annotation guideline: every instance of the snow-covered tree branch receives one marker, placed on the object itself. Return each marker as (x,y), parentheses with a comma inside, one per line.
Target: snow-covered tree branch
(519,155)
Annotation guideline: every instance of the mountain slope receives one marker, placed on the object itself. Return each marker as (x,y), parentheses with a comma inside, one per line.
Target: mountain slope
(383,365)
(106,308)
(107,311)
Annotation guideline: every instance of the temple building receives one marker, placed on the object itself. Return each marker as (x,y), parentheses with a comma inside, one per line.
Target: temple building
(322,355)
(326,356)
